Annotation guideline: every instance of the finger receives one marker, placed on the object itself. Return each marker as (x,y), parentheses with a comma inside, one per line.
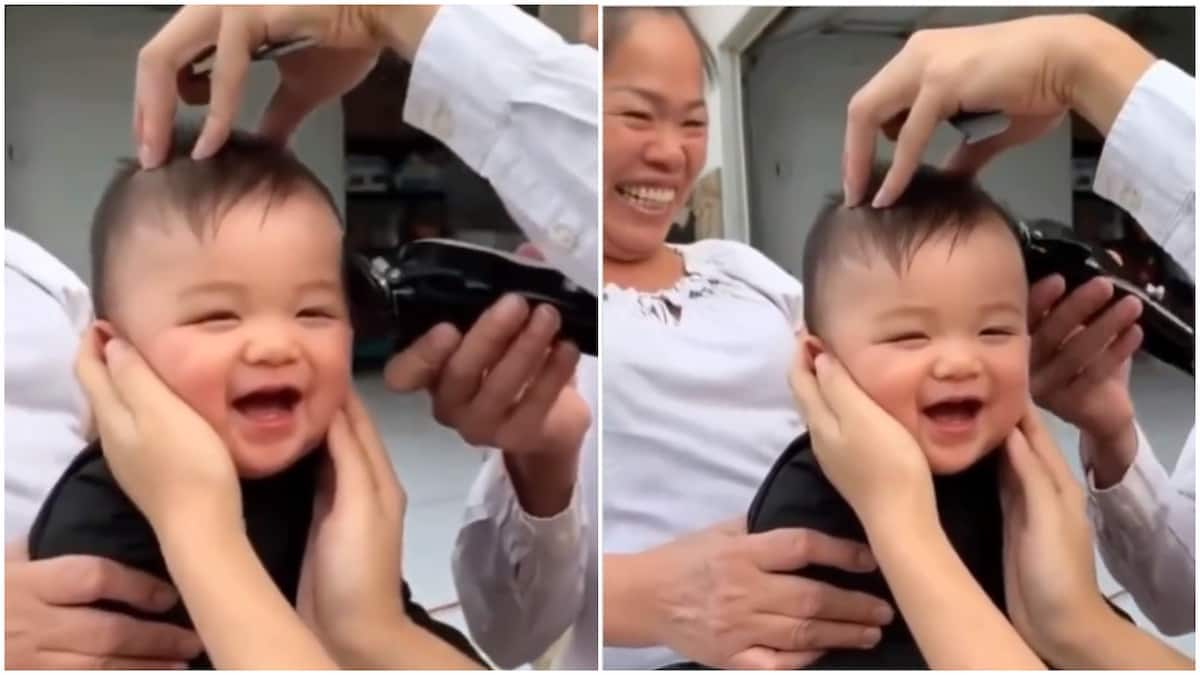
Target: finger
(543,393)
(136,384)
(928,110)
(1087,346)
(238,36)
(970,158)
(94,377)
(797,597)
(418,366)
(1042,296)
(352,473)
(375,452)
(481,349)
(841,393)
(521,362)
(155,84)
(765,658)
(284,113)
(1115,355)
(1043,446)
(66,660)
(102,633)
(790,548)
(1030,477)
(791,634)
(891,91)
(81,580)
(1080,305)
(817,415)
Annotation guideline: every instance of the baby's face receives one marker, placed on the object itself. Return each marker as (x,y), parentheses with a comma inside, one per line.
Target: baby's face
(248,325)
(943,346)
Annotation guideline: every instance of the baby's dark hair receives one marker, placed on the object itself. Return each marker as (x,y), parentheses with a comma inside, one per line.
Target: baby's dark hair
(618,21)
(935,203)
(202,192)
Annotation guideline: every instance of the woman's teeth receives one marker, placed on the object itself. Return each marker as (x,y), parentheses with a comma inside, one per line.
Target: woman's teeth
(646,198)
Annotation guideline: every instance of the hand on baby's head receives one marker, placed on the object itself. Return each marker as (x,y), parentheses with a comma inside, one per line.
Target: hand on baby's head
(225,274)
(924,303)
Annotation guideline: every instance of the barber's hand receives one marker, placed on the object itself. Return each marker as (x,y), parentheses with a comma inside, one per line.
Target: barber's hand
(1034,70)
(349,39)
(48,626)
(1049,568)
(730,601)
(1079,366)
(350,579)
(506,384)
(872,460)
(165,457)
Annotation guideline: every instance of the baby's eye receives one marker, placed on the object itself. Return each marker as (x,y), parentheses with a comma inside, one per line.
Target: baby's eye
(911,336)
(999,330)
(317,313)
(214,316)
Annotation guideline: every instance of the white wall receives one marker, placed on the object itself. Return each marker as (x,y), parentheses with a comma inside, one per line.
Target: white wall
(69,91)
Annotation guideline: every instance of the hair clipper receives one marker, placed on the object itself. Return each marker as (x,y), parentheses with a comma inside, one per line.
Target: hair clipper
(1052,248)
(401,296)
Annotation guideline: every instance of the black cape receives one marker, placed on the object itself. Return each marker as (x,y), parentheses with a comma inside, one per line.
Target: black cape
(87,513)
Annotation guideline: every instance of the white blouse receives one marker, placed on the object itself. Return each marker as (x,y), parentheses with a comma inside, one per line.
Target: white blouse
(696,401)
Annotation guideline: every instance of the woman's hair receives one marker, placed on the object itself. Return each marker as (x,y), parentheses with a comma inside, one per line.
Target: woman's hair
(618,20)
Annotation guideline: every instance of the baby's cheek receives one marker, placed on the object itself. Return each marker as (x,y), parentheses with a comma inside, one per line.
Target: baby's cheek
(331,358)
(891,382)
(196,372)
(1010,370)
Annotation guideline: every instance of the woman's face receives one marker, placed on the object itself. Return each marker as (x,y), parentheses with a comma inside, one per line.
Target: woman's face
(655,132)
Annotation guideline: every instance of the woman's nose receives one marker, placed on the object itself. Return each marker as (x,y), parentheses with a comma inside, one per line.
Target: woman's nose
(665,151)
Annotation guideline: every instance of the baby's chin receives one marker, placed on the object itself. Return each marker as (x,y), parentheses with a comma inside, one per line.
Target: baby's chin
(260,460)
(947,459)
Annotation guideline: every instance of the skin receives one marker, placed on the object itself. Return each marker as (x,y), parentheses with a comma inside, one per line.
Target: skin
(655,135)
(952,323)
(222,320)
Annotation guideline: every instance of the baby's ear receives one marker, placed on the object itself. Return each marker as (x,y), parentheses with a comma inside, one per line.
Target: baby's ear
(105,329)
(812,345)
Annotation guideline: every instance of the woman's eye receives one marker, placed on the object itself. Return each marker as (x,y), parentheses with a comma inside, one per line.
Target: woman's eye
(637,115)
(695,124)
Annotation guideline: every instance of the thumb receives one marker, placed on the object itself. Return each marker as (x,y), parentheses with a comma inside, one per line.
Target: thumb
(420,365)
(284,114)
(970,158)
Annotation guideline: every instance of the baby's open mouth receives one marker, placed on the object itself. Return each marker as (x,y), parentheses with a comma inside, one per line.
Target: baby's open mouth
(268,403)
(954,411)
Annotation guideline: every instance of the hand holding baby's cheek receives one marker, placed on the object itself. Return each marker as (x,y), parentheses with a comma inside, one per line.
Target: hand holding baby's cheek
(165,457)
(870,458)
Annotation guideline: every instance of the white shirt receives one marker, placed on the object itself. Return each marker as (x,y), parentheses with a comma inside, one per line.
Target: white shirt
(518,105)
(696,401)
(46,309)
(1146,523)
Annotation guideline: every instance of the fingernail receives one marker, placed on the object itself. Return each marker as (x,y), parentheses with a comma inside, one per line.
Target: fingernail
(880,199)
(883,614)
(144,156)
(545,318)
(511,303)
(846,201)
(871,636)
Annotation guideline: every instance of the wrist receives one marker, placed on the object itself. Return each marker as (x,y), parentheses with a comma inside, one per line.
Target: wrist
(1109,453)
(544,482)
(1100,65)
(1071,642)
(400,27)
(357,644)
(632,615)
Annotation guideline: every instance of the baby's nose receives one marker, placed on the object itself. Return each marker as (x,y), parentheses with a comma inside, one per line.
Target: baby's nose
(956,362)
(271,348)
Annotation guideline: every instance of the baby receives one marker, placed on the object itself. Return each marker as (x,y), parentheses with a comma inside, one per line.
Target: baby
(226,275)
(925,305)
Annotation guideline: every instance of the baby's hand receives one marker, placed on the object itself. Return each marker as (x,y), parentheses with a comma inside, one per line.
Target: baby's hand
(870,458)
(166,458)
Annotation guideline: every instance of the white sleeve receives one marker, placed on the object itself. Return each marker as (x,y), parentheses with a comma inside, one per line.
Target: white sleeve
(1148,165)
(47,307)
(520,578)
(1145,526)
(519,106)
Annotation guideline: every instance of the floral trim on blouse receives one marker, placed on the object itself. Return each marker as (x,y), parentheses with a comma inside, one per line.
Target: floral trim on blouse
(704,280)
